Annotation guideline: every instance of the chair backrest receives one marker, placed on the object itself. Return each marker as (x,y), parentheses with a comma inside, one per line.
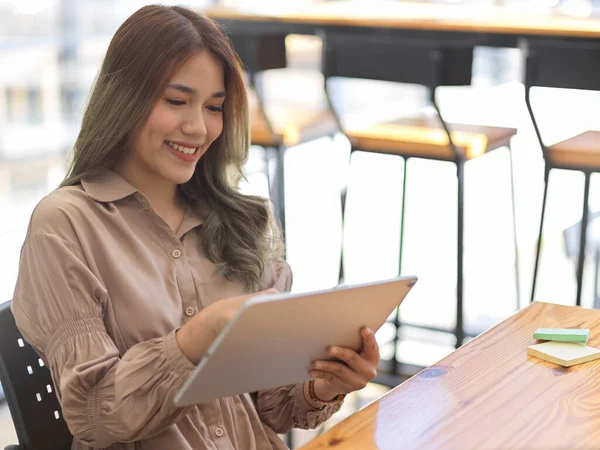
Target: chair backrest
(560,64)
(29,391)
(426,62)
(260,52)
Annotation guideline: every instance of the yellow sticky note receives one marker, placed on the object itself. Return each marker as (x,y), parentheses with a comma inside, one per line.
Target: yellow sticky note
(566,354)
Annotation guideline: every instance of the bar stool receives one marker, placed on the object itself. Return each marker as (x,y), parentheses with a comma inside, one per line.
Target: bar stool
(280,125)
(276,126)
(571,240)
(425,62)
(569,65)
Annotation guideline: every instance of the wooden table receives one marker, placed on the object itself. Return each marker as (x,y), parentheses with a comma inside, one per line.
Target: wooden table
(488,395)
(488,25)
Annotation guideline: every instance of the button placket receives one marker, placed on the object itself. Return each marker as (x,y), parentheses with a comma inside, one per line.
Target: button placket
(174,248)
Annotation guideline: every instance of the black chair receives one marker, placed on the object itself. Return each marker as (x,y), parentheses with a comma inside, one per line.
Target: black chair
(570,65)
(29,392)
(429,63)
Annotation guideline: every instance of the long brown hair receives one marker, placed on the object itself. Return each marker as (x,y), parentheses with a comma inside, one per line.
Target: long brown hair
(238,234)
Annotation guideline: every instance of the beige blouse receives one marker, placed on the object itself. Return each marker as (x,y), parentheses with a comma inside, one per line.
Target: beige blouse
(103,285)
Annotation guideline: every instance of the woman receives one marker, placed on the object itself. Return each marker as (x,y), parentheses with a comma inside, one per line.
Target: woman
(134,265)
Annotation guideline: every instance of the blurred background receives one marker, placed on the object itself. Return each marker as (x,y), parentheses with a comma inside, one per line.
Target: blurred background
(51,51)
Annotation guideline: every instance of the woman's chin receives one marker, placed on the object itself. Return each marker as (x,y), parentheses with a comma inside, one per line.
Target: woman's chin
(179,175)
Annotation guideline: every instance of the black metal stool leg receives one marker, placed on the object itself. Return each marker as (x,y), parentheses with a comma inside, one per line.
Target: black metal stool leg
(514,218)
(460,332)
(402,216)
(459,160)
(596,277)
(267,163)
(394,368)
(343,195)
(539,242)
(343,200)
(583,238)
(289,439)
(280,187)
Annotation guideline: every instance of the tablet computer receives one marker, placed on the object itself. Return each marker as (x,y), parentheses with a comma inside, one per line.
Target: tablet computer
(273,339)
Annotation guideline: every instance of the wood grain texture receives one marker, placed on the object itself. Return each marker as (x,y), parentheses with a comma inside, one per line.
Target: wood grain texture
(425,137)
(489,394)
(292,124)
(425,16)
(582,150)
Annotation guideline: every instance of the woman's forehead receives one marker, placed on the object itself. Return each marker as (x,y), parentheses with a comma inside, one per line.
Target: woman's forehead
(202,74)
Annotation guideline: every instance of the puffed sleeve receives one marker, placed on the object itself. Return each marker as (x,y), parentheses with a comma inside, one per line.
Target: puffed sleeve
(106,397)
(286,407)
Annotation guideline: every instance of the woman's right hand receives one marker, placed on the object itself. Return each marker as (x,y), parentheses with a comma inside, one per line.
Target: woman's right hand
(222,311)
(196,336)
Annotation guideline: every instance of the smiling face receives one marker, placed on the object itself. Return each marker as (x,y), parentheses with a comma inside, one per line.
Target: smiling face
(185,121)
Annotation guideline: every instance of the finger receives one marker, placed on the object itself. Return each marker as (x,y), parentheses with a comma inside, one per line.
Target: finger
(355,361)
(370,350)
(266,292)
(246,297)
(341,371)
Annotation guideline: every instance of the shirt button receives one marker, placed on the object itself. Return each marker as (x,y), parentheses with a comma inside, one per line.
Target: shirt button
(219,432)
(176,253)
(189,311)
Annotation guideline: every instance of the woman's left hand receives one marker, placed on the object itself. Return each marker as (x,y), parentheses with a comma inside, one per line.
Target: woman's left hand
(351,372)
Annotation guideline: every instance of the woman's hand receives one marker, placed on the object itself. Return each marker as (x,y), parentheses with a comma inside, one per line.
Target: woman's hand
(196,336)
(222,311)
(351,372)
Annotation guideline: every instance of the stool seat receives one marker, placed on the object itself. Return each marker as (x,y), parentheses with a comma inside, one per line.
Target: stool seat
(424,137)
(292,125)
(581,151)
(259,130)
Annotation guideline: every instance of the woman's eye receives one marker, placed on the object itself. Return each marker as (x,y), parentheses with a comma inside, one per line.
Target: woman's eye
(176,102)
(215,108)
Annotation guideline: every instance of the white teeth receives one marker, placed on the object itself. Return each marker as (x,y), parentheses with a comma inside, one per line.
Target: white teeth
(181,148)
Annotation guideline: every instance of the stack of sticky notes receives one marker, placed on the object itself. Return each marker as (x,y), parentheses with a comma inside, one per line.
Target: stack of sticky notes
(565,346)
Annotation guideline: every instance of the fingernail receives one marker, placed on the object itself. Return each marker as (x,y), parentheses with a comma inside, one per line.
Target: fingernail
(332,351)
(316,365)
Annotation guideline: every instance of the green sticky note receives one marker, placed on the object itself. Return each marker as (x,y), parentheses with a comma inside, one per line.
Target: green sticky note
(578,335)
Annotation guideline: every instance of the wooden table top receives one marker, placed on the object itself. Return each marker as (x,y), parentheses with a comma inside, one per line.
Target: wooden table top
(471,18)
(488,394)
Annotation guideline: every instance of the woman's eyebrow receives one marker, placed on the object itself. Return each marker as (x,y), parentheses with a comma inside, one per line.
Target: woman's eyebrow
(189,90)
(183,88)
